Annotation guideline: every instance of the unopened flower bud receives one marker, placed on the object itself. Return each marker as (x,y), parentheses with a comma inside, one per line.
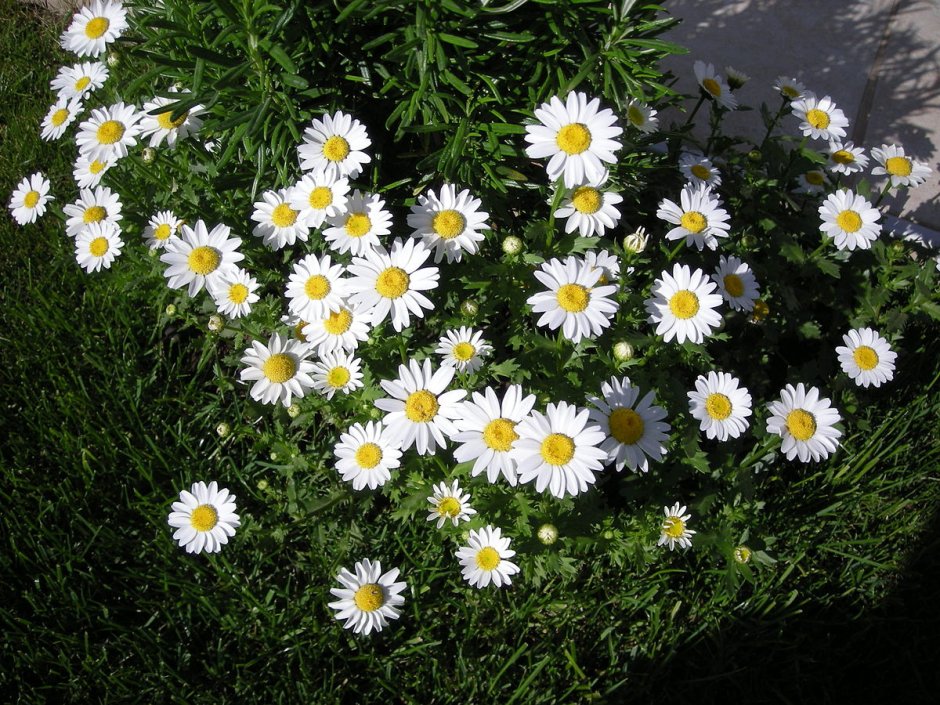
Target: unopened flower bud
(623,351)
(755,156)
(736,78)
(262,485)
(636,241)
(149,154)
(293,410)
(760,312)
(114,59)
(170,310)
(215,323)
(512,245)
(469,307)
(273,456)
(742,554)
(548,534)
(223,429)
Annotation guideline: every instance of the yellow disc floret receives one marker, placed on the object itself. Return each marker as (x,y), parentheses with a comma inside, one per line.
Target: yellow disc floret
(369,597)
(94,214)
(392,283)
(82,83)
(817,118)
(238,293)
(865,357)
(557,449)
(317,287)
(693,221)
(421,406)
(368,456)
(283,216)
(338,322)
(733,285)
(464,351)
(700,171)
(449,507)
(31,199)
(843,156)
(573,298)
(338,377)
(110,131)
(626,426)
(684,304)
(320,197)
(849,221)
(98,247)
(97,167)
(449,224)
(59,116)
(718,406)
(815,178)
(487,558)
(204,517)
(279,368)
(166,121)
(674,527)
(587,199)
(898,166)
(96,27)
(712,86)
(358,224)
(161,232)
(635,116)
(499,434)
(801,424)
(204,260)
(336,148)
(573,138)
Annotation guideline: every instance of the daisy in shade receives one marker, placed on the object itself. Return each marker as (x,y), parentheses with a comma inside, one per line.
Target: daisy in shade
(198,256)
(589,210)
(280,370)
(720,405)
(318,196)
(450,224)
(158,123)
(449,504)
(634,427)
(698,170)
(316,287)
(368,598)
(160,229)
(60,116)
(573,301)
(234,292)
(88,172)
(736,79)
(356,230)
(559,450)
(97,245)
(805,422)
(714,85)
(94,27)
(684,305)
(813,181)
(900,169)
(674,530)
(789,88)
(79,80)
(737,283)
(850,220)
(577,136)
(296,325)
(334,146)
(29,199)
(819,118)
(109,132)
(278,224)
(607,263)
(419,412)
(386,283)
(337,372)
(487,431)
(642,117)
(846,158)
(867,357)
(100,205)
(484,558)
(699,218)
(337,330)
(204,518)
(464,349)
(366,455)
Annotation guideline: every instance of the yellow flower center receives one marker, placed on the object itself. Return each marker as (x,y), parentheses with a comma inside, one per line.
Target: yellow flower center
(635,116)
(684,304)
(317,287)
(573,298)
(843,156)
(96,27)
(110,132)
(587,199)
(370,596)
(718,406)
(59,116)
(161,232)
(712,86)
(279,368)
(801,424)
(97,167)
(693,221)
(283,216)
(674,527)
(449,224)
(392,283)
(761,310)
(98,246)
(464,351)
(368,456)
(421,406)
(82,83)
(338,322)
(790,92)
(238,293)
(320,197)
(204,517)
(358,224)
(898,166)
(849,221)
(487,558)
(448,507)
(557,449)
(204,260)
(338,377)
(626,426)
(817,118)
(814,178)
(94,214)
(299,331)
(31,199)
(500,434)
(733,285)
(165,121)
(865,357)
(336,148)
(573,138)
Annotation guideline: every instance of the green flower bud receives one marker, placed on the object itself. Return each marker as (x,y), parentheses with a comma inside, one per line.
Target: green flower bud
(215,323)
(742,554)
(170,310)
(469,308)
(548,534)
(623,351)
(293,410)
(512,245)
(223,429)
(149,155)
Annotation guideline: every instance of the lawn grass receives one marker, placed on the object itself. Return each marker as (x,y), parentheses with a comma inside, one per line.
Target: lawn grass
(110,408)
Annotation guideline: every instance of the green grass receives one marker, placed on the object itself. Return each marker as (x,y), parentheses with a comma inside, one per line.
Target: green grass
(110,407)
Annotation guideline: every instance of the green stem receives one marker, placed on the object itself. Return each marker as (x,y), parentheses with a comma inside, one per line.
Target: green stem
(884,192)
(773,123)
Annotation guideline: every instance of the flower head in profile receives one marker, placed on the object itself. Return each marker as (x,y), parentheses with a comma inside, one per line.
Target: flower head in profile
(204,518)
(642,117)
(789,88)
(368,597)
(674,530)
(485,558)
(713,85)
(449,503)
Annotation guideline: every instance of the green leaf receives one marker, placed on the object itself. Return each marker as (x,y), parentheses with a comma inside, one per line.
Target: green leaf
(457,41)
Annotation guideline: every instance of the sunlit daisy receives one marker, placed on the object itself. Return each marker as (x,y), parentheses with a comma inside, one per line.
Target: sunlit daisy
(736,283)
(60,116)
(642,117)
(337,372)
(366,455)
(589,209)
(819,118)
(846,158)
(714,85)
(674,530)
(109,132)
(449,504)
(356,230)
(94,27)
(867,357)
(699,218)
(162,226)
(334,146)
(464,349)
(720,405)
(698,170)
(93,206)
(573,301)
(684,305)
(197,257)
(368,598)
(278,224)
(576,135)
(813,181)
(280,370)
(204,518)
(88,172)
(850,220)
(97,245)
(485,558)
(234,292)
(29,198)
(316,287)
(342,329)
(318,196)
(450,224)
(79,80)
(633,426)
(900,169)
(158,123)
(789,88)
(805,422)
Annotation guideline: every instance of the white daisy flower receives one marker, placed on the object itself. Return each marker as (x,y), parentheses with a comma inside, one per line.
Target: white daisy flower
(368,598)
(29,198)
(97,245)
(487,431)
(736,78)
(819,117)
(94,27)
(109,132)
(789,88)
(159,125)
(683,305)
(280,370)
(846,158)
(60,116)
(79,80)
(356,230)
(673,530)
(162,226)
(450,224)
(464,349)
(867,357)
(698,170)
(642,117)
(449,504)
(278,224)
(589,210)
(386,283)
(484,558)
(736,283)
(900,169)
(604,261)
(573,301)
(714,85)
(334,146)
(814,181)
(318,196)
(699,219)
(850,220)
(204,518)
(88,172)
(316,287)
(337,372)
(576,135)
(337,330)
(720,405)
(100,205)
(296,325)
(198,257)
(805,422)
(366,455)
(234,292)
(634,427)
